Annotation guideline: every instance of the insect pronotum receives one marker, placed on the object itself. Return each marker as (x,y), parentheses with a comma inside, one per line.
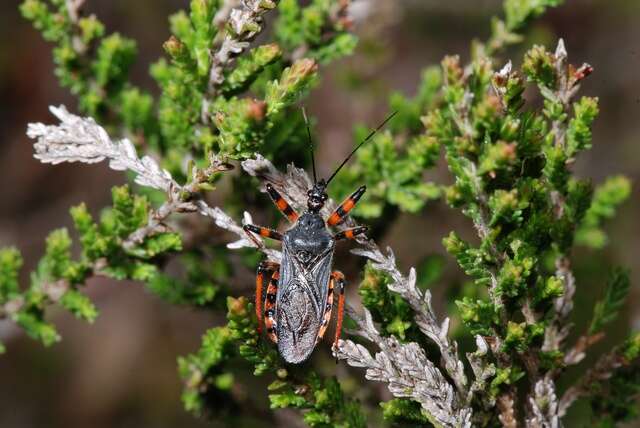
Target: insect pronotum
(296,308)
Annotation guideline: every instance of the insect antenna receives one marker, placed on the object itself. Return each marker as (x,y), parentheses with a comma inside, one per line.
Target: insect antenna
(313,159)
(371,134)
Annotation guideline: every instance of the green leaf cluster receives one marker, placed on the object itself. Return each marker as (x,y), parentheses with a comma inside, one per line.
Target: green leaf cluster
(606,198)
(323,401)
(320,27)
(511,164)
(615,294)
(94,65)
(203,370)
(59,277)
(388,309)
(394,161)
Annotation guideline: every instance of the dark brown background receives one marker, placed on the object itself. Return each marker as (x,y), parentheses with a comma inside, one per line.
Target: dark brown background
(121,371)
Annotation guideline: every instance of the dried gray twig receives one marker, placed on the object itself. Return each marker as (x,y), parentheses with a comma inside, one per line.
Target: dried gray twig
(224,221)
(544,406)
(408,371)
(424,314)
(81,139)
(482,369)
(602,370)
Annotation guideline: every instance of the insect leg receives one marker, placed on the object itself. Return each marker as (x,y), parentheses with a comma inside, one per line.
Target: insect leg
(340,282)
(327,311)
(269,307)
(265,270)
(350,233)
(282,205)
(343,210)
(265,232)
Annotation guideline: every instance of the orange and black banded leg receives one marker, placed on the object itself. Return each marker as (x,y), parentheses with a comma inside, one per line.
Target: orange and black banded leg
(282,205)
(340,284)
(327,310)
(265,271)
(350,233)
(265,232)
(270,307)
(342,211)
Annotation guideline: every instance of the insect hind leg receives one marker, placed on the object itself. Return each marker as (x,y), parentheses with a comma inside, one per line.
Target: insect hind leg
(269,307)
(340,282)
(336,285)
(266,270)
(327,311)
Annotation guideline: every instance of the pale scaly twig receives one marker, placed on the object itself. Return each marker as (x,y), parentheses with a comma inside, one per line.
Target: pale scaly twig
(81,139)
(408,373)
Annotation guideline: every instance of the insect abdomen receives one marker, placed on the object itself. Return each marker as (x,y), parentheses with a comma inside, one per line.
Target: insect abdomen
(298,324)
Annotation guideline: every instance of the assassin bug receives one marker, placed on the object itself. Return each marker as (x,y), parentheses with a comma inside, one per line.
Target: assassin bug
(300,291)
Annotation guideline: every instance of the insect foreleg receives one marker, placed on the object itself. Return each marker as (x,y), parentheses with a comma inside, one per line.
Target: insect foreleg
(350,233)
(265,232)
(282,204)
(265,271)
(343,210)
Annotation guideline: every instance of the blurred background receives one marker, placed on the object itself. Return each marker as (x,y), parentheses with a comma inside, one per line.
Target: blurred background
(121,371)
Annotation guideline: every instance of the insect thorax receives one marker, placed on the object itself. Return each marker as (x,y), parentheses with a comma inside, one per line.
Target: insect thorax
(309,237)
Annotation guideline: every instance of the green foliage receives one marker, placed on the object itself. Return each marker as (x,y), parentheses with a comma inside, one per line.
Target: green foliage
(202,284)
(202,370)
(58,278)
(387,308)
(518,12)
(249,68)
(207,104)
(403,412)
(579,129)
(606,198)
(93,65)
(505,376)
(479,316)
(395,175)
(10,264)
(244,330)
(512,178)
(614,399)
(321,28)
(322,399)
(520,336)
(606,310)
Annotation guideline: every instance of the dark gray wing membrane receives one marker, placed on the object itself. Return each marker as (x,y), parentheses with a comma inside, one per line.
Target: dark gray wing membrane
(302,297)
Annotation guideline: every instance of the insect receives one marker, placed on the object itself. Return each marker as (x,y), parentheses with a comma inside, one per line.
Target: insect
(296,308)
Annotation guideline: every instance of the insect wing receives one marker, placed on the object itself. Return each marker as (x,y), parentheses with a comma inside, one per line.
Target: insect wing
(302,297)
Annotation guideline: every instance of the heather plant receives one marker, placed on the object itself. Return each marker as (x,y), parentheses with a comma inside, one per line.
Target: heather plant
(227,110)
